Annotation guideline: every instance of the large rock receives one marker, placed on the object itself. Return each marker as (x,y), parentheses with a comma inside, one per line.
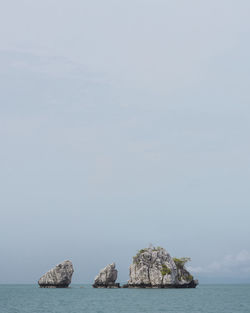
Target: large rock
(58,277)
(107,277)
(155,268)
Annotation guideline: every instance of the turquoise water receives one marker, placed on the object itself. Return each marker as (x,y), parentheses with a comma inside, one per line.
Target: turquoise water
(205,298)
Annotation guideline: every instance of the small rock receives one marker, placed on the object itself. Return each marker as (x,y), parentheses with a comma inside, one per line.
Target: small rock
(58,277)
(107,277)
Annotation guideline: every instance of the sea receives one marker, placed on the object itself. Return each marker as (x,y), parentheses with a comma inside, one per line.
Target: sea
(85,299)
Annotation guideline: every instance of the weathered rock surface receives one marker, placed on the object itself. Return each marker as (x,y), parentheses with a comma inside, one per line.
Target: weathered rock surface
(58,277)
(107,277)
(155,268)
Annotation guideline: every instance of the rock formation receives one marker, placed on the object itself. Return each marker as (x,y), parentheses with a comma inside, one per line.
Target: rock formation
(58,277)
(107,277)
(155,268)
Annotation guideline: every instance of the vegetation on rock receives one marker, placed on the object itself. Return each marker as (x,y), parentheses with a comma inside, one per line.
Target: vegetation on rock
(180,263)
(165,270)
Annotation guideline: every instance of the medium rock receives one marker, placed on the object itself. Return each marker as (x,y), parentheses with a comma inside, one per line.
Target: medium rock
(58,277)
(155,268)
(107,277)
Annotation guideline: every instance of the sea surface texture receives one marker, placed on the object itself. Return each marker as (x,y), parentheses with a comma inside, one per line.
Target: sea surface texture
(203,299)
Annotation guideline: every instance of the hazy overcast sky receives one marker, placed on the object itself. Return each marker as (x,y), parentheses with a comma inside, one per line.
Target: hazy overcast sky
(124,123)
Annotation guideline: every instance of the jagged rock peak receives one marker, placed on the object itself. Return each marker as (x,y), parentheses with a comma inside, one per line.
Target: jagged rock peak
(107,277)
(153,267)
(58,277)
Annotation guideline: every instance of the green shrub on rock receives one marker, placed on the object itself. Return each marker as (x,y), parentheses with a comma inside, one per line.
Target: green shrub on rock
(180,263)
(165,270)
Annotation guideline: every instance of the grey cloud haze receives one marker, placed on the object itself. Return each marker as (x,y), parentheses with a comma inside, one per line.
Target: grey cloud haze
(124,124)
(233,265)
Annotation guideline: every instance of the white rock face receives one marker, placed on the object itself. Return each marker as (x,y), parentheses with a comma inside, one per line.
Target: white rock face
(154,267)
(58,277)
(106,277)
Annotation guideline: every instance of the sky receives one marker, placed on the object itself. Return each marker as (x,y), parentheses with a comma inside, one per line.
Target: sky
(124,124)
